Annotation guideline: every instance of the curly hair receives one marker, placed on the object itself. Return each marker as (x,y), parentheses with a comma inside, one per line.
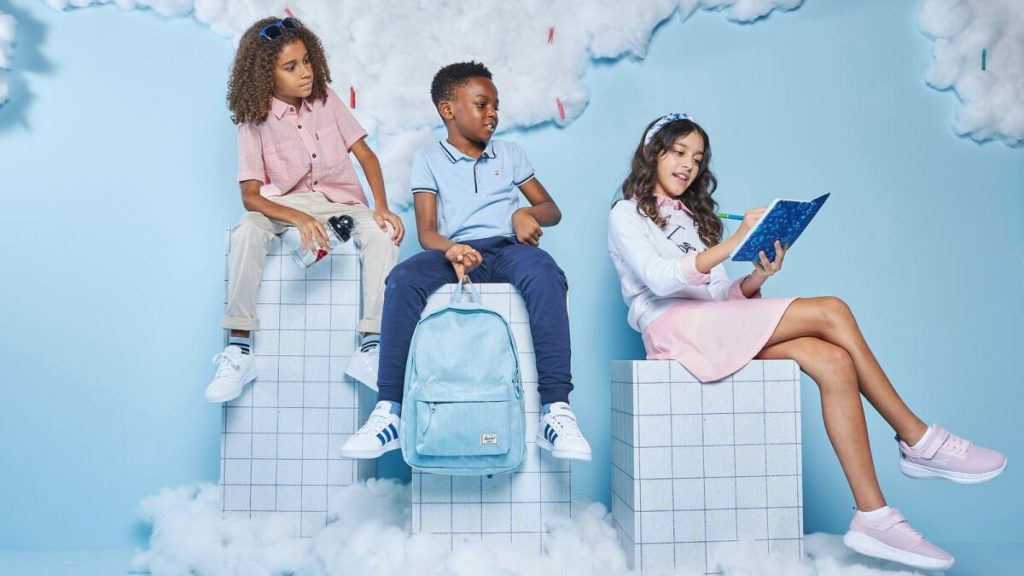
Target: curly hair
(251,86)
(449,78)
(639,184)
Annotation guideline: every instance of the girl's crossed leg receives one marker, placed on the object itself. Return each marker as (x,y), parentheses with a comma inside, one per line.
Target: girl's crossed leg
(822,336)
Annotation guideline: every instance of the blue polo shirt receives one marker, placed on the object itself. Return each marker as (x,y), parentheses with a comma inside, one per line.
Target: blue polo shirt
(475,196)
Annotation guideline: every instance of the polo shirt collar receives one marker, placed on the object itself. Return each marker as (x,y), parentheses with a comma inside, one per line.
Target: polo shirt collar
(454,154)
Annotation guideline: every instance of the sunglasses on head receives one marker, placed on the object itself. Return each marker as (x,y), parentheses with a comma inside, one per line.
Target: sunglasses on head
(272,31)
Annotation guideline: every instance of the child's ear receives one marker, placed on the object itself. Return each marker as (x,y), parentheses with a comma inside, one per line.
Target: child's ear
(446,110)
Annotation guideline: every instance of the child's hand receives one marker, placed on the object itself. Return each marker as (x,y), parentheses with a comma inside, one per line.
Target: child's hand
(383,217)
(750,219)
(312,231)
(526,227)
(764,268)
(464,258)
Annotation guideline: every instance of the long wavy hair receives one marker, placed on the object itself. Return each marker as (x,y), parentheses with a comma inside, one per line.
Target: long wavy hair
(251,86)
(639,185)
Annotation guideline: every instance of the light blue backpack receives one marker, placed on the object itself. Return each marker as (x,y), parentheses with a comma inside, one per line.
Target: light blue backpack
(463,412)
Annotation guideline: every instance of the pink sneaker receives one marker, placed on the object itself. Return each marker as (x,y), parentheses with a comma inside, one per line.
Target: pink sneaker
(945,455)
(892,538)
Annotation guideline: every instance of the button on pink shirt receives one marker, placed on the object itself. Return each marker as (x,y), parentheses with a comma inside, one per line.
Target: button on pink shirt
(303,149)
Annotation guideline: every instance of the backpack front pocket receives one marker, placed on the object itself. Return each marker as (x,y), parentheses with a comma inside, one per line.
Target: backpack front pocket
(474,428)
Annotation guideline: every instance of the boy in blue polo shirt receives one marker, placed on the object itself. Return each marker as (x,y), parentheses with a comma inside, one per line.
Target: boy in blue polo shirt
(470,224)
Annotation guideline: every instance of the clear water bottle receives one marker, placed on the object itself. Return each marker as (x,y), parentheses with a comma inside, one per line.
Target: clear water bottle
(341,228)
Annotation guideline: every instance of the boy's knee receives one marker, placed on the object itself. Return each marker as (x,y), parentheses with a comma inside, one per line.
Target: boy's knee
(543,269)
(412,273)
(399,275)
(251,225)
(374,235)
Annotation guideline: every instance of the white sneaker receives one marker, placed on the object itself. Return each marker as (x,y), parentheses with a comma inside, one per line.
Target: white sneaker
(363,366)
(234,371)
(559,434)
(377,436)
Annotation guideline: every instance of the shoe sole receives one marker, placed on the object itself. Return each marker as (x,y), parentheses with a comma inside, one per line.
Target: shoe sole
(868,546)
(363,455)
(234,393)
(924,473)
(542,442)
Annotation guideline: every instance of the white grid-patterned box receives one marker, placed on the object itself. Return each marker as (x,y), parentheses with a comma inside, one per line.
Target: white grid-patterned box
(698,465)
(504,507)
(280,439)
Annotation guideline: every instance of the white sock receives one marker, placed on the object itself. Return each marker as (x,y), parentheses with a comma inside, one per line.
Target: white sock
(873,514)
(927,434)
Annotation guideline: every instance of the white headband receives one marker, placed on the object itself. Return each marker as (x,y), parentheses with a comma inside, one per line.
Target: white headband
(666,119)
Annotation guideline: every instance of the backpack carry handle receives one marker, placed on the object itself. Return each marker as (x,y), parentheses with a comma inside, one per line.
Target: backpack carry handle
(465,288)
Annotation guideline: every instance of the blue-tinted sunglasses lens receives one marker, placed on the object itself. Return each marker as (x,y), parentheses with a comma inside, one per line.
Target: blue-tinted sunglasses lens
(272,31)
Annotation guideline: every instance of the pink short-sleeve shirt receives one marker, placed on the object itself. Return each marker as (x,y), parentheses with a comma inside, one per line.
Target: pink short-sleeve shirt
(303,149)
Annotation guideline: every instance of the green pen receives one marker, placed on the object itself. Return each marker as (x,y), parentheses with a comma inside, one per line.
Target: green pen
(728,216)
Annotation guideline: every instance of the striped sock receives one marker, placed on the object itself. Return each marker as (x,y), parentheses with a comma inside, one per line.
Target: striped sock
(241,342)
(368,342)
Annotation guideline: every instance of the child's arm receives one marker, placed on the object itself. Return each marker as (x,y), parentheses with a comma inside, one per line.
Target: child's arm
(542,211)
(629,238)
(463,257)
(371,168)
(751,284)
(312,232)
(720,252)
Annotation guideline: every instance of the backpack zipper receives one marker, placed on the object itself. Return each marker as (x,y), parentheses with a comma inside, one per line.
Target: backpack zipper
(431,418)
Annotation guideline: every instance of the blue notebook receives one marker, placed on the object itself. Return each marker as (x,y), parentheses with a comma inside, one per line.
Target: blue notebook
(784,221)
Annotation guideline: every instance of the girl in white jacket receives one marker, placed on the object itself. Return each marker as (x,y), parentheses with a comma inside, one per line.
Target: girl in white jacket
(667,245)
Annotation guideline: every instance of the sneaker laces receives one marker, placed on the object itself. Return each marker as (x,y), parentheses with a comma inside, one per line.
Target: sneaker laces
(224,360)
(374,424)
(905,527)
(957,445)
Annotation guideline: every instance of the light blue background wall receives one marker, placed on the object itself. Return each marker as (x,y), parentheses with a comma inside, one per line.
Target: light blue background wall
(117,161)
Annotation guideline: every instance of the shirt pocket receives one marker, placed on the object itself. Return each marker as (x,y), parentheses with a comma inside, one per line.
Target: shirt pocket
(286,164)
(331,144)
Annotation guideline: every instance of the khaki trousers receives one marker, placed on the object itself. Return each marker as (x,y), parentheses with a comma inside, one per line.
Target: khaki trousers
(250,240)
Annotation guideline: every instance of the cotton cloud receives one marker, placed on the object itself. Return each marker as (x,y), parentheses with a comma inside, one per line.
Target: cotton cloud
(368,535)
(386,52)
(8,26)
(991,96)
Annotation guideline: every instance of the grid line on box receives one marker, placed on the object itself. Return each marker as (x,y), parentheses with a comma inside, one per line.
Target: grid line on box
(672,483)
(713,474)
(764,417)
(278,437)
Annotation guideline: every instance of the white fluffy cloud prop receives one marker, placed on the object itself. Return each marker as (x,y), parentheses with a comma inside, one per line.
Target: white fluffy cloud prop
(979,53)
(384,53)
(368,535)
(8,26)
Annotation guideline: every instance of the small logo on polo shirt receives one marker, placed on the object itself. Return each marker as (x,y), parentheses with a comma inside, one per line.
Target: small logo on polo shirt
(497,172)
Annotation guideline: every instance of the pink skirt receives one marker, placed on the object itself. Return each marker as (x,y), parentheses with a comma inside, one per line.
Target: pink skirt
(713,339)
